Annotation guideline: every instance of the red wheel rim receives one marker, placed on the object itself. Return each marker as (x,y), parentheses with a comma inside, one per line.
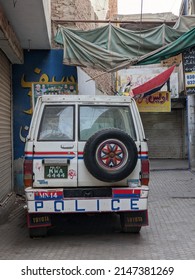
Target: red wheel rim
(111,154)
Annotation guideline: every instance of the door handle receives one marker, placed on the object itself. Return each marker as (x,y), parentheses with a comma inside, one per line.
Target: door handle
(67,146)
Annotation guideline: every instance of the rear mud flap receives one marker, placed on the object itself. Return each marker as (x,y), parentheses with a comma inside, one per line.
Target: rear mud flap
(134,218)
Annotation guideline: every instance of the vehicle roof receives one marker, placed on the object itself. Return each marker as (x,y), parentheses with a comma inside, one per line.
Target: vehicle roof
(85,98)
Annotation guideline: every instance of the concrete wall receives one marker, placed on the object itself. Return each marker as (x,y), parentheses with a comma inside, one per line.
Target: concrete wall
(9,42)
(47,11)
(84,85)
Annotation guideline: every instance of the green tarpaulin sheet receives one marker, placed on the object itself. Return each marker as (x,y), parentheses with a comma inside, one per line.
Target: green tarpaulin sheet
(110,48)
(183,43)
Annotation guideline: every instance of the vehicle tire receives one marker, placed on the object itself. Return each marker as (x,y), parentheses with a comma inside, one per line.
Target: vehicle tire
(110,155)
(38,232)
(126,226)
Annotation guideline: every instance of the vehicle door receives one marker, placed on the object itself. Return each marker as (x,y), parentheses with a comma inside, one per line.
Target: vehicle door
(55,148)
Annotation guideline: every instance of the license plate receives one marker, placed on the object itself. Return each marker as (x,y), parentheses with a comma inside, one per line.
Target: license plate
(56,172)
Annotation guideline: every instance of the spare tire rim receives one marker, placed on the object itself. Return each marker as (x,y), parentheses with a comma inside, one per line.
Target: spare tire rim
(111,154)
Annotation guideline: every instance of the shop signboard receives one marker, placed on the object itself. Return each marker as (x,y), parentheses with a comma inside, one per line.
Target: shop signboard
(136,76)
(189,70)
(53,88)
(157,102)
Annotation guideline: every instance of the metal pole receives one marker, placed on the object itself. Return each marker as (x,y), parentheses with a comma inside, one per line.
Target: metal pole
(108,21)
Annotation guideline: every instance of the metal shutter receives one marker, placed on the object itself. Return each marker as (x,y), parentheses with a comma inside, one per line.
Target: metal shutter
(165,132)
(5,128)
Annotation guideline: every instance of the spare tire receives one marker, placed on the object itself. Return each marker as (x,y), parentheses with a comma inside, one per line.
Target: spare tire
(110,155)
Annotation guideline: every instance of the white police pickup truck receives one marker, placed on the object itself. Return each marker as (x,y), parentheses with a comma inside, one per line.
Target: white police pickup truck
(86,154)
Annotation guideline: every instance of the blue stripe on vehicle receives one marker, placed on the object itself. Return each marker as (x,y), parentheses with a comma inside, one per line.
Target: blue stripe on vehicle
(68,157)
(43,157)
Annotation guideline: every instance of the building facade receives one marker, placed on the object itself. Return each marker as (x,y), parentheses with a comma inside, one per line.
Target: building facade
(10,52)
(26,59)
(29,56)
(16,34)
(188,8)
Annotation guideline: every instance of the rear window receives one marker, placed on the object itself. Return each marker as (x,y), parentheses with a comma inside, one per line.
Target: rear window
(57,124)
(95,118)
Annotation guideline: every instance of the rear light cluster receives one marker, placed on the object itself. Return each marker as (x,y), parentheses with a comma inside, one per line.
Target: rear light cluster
(28,173)
(145,171)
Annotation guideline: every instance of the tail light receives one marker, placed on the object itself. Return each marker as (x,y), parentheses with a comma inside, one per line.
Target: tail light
(28,173)
(145,171)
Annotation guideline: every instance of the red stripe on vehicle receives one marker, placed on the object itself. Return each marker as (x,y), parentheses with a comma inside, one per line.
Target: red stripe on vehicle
(49,153)
(131,191)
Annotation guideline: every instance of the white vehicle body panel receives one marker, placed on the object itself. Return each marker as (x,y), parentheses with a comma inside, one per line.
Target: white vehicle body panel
(59,165)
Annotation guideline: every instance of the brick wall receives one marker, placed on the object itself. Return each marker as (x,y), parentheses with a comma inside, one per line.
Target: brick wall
(113,9)
(63,10)
(81,10)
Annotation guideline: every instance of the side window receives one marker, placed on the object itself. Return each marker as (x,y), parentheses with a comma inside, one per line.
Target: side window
(95,118)
(57,124)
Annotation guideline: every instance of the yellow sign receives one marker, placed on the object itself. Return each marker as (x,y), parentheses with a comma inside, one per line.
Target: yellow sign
(156,102)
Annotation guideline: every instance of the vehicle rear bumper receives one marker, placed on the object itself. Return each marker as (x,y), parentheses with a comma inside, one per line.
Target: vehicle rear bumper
(53,201)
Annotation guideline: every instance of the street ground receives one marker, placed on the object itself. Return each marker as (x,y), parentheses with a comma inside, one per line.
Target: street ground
(170,234)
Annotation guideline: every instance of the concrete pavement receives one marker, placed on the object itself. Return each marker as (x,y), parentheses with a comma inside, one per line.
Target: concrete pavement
(170,234)
(169,164)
